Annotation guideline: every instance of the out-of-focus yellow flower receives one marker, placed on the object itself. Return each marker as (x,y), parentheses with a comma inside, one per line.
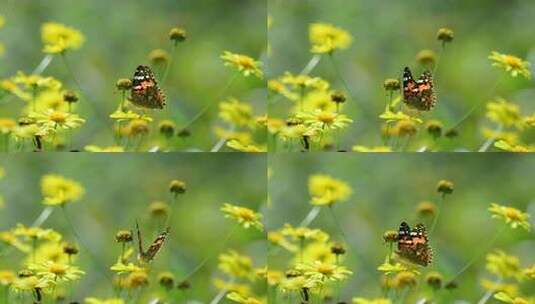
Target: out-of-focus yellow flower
(57,38)
(509,137)
(293,283)
(405,279)
(9,238)
(279,239)
(278,87)
(326,190)
(56,271)
(244,64)
(390,116)
(137,279)
(36,81)
(319,273)
(512,216)
(300,82)
(50,121)
(317,251)
(324,120)
(103,301)
(371,301)
(2,21)
(317,100)
(49,252)
(25,284)
(365,149)
(94,148)
(326,38)
(298,131)
(243,289)
(505,113)
(503,265)
(236,265)
(389,268)
(7,125)
(37,233)
(121,268)
(237,113)
(529,272)
(504,297)
(511,64)
(304,233)
(129,116)
(238,298)
(508,288)
(7,277)
(58,190)
(242,137)
(506,146)
(243,147)
(244,216)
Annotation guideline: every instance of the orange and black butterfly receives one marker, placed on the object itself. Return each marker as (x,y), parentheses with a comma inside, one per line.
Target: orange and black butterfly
(145,91)
(418,94)
(154,248)
(413,244)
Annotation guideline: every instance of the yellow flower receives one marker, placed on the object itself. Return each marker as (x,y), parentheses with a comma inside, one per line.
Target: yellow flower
(9,238)
(236,265)
(293,283)
(244,147)
(7,277)
(242,289)
(120,116)
(37,233)
(94,148)
(512,216)
(511,64)
(238,298)
(324,120)
(50,121)
(505,113)
(7,125)
(388,268)
(58,190)
(317,100)
(297,131)
(237,113)
(304,81)
(304,233)
(36,81)
(326,38)
(279,239)
(122,268)
(504,297)
(245,216)
(371,301)
(509,137)
(137,279)
(103,301)
(242,137)
(49,251)
(529,272)
(503,265)
(390,116)
(317,251)
(30,283)
(245,64)
(56,271)
(376,149)
(318,273)
(57,38)
(511,289)
(326,190)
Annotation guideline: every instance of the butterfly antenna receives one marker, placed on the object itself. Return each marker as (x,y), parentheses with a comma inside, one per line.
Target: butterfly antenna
(140,242)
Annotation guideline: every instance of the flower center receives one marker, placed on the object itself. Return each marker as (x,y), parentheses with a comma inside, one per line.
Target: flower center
(513,214)
(58,269)
(247,215)
(325,269)
(326,117)
(58,117)
(513,62)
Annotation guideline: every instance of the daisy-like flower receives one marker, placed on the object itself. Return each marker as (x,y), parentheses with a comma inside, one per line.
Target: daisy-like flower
(304,81)
(277,238)
(389,268)
(511,64)
(30,283)
(503,265)
(238,298)
(371,301)
(58,190)
(390,116)
(326,38)
(304,233)
(7,277)
(103,301)
(244,64)
(56,271)
(243,289)
(50,121)
(505,113)
(317,251)
(365,149)
(512,216)
(318,273)
(244,216)
(324,120)
(245,147)
(237,113)
(236,265)
(94,148)
(326,190)
(37,233)
(121,268)
(36,81)
(529,272)
(57,38)
(506,298)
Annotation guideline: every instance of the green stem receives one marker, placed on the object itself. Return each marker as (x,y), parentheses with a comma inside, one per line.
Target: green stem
(435,218)
(170,63)
(339,75)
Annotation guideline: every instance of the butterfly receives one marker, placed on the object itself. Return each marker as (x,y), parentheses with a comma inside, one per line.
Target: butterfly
(145,91)
(154,248)
(413,244)
(418,94)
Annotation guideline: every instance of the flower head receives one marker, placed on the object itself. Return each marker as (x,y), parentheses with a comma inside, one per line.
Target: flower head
(238,298)
(318,273)
(56,271)
(512,216)
(326,190)
(50,121)
(237,113)
(324,120)
(103,301)
(371,301)
(503,265)
(58,190)
(245,216)
(245,64)
(57,38)
(511,64)
(236,265)
(326,38)
(505,113)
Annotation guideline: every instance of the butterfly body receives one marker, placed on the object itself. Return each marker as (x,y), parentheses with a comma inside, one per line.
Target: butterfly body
(418,94)
(145,91)
(413,244)
(148,255)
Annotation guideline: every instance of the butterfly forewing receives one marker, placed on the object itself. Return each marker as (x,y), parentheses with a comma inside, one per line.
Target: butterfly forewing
(413,244)
(418,94)
(145,90)
(154,248)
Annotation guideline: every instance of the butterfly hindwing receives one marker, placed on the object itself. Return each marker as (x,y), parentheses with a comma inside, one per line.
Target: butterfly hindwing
(154,248)
(145,91)
(418,94)
(413,244)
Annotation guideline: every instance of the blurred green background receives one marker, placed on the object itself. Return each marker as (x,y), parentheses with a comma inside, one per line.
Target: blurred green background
(119,189)
(119,37)
(386,191)
(388,35)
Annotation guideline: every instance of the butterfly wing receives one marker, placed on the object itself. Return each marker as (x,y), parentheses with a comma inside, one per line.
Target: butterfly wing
(145,91)
(155,247)
(413,244)
(418,94)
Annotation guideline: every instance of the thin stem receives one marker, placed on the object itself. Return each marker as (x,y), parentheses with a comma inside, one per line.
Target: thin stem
(43,216)
(435,219)
(312,214)
(312,63)
(220,143)
(339,75)
(170,63)
(45,62)
(477,256)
